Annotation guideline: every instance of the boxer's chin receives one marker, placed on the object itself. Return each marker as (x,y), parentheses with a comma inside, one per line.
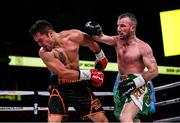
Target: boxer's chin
(121,37)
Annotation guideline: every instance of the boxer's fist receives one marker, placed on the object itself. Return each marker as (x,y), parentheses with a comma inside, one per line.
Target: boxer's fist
(93,28)
(101,61)
(126,87)
(96,77)
(100,65)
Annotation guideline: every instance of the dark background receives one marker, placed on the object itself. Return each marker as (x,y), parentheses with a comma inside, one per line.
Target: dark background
(17,16)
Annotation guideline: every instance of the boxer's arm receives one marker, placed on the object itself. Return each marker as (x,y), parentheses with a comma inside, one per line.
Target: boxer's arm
(149,62)
(94,29)
(55,66)
(91,43)
(101,60)
(109,40)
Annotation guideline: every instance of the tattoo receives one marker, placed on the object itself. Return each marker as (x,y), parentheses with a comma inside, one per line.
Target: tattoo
(153,60)
(62,58)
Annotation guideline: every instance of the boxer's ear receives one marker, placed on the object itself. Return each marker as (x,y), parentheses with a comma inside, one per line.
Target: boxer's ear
(50,32)
(133,27)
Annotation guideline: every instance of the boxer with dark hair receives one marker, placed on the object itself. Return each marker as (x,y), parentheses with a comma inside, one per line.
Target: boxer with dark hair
(70,85)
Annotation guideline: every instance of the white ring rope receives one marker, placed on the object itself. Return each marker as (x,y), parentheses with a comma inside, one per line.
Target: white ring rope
(163,87)
(17,93)
(107,108)
(16,108)
(45,93)
(168,119)
(167,102)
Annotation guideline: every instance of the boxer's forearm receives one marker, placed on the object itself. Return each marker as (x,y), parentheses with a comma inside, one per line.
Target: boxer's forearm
(150,74)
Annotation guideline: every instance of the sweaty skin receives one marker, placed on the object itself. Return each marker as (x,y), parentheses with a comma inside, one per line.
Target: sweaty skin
(60,51)
(133,54)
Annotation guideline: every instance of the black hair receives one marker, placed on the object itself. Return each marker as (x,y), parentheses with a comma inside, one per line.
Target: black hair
(41,26)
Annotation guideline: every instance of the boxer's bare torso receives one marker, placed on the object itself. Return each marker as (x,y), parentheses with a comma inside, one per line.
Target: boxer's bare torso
(60,51)
(130,56)
(65,49)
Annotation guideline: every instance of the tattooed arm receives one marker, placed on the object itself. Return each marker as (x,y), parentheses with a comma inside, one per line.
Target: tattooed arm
(149,62)
(57,66)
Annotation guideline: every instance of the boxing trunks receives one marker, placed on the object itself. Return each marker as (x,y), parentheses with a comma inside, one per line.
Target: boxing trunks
(77,95)
(142,97)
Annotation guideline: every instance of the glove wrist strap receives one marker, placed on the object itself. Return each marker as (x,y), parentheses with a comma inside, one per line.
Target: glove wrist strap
(139,81)
(85,75)
(100,55)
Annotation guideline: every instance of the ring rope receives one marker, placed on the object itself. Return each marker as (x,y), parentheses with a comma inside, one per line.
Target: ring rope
(163,87)
(168,119)
(108,108)
(167,102)
(46,93)
(111,108)
(17,92)
(16,108)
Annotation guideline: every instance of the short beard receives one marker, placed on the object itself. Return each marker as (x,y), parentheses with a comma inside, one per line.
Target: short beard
(126,37)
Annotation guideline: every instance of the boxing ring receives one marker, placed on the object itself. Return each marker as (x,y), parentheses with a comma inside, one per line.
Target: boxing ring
(34,103)
(36,107)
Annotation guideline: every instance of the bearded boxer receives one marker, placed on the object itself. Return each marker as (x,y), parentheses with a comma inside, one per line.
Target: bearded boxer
(133,56)
(70,85)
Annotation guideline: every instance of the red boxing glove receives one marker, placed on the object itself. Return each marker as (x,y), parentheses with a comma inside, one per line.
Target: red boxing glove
(96,77)
(101,61)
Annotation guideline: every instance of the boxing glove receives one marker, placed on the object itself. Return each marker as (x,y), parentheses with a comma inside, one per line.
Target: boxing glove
(93,28)
(96,77)
(101,61)
(126,87)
